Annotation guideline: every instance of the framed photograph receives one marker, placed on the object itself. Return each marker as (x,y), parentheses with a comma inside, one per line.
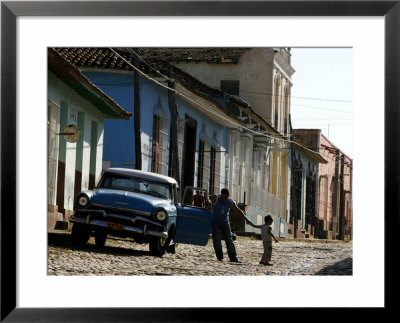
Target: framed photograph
(28,28)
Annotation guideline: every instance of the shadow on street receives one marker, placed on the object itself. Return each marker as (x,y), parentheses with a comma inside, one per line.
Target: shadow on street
(344,267)
(63,241)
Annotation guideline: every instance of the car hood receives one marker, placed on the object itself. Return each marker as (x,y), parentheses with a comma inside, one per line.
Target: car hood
(127,200)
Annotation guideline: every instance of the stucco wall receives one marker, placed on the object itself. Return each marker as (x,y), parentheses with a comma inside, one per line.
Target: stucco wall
(254,72)
(71,105)
(257,215)
(327,173)
(119,146)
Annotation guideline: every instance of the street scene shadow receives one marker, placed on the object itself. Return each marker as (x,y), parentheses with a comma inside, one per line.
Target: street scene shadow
(344,267)
(63,241)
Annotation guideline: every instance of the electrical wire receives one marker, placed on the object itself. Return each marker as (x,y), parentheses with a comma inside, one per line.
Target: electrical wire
(240,125)
(298,97)
(196,103)
(320,108)
(157,71)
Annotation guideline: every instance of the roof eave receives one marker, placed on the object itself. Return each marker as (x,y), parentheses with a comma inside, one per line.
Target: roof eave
(312,154)
(70,75)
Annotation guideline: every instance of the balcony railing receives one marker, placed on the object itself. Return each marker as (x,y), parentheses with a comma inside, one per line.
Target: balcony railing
(267,201)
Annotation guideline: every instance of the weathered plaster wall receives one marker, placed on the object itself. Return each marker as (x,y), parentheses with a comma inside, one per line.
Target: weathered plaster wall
(72,105)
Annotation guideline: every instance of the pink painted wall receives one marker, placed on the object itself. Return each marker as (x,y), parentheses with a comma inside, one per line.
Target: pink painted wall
(326,174)
(317,141)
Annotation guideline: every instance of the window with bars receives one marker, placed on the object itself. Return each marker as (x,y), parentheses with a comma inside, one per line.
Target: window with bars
(200,164)
(231,87)
(258,168)
(203,163)
(276,103)
(215,166)
(285,130)
(180,149)
(234,165)
(159,144)
(263,169)
(215,169)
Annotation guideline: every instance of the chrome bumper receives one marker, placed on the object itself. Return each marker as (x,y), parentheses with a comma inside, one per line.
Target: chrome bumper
(118,227)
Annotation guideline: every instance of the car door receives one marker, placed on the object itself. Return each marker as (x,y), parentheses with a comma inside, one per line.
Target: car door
(192,225)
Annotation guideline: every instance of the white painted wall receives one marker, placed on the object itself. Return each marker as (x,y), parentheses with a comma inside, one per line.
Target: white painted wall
(69,176)
(254,73)
(58,91)
(99,155)
(86,152)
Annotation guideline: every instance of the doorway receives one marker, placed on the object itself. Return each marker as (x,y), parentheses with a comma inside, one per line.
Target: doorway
(189,149)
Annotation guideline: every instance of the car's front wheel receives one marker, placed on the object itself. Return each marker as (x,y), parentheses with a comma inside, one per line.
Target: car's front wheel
(172,248)
(158,246)
(80,235)
(100,239)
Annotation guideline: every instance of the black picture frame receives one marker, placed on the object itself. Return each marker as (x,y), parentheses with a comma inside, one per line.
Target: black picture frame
(10,10)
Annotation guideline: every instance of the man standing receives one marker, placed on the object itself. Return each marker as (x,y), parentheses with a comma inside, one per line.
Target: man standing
(220,224)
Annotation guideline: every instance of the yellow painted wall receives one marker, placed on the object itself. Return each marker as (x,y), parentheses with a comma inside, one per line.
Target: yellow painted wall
(284,171)
(274,177)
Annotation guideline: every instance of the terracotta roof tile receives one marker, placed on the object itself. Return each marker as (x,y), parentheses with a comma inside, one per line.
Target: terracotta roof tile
(106,58)
(71,75)
(94,57)
(208,54)
(158,58)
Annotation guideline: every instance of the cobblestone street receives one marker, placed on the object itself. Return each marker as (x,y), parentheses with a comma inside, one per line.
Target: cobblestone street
(122,257)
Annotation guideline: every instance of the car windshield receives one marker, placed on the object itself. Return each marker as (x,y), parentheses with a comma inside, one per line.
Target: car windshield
(137,185)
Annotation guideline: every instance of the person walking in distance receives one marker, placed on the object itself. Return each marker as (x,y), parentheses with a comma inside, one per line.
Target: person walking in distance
(220,224)
(266,235)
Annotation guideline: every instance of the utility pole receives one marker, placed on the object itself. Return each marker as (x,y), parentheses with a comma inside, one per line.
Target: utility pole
(293,196)
(174,128)
(316,204)
(138,143)
(341,210)
(293,204)
(335,195)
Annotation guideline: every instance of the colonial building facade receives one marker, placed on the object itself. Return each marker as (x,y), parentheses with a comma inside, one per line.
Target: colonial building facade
(260,77)
(335,211)
(76,113)
(210,118)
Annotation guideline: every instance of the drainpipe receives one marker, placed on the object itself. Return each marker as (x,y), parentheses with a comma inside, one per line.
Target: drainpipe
(138,142)
(174,128)
(293,203)
(341,207)
(316,207)
(335,196)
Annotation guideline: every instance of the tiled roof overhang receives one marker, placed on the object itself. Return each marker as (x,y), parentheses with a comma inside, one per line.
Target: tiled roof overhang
(159,59)
(310,153)
(194,54)
(71,76)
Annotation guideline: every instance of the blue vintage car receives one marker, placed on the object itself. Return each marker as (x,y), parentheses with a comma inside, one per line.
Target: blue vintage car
(140,205)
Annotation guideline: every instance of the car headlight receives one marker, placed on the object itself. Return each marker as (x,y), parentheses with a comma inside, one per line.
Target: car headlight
(83,200)
(161,215)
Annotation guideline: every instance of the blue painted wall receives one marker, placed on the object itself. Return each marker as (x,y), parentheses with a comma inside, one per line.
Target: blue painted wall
(222,133)
(119,143)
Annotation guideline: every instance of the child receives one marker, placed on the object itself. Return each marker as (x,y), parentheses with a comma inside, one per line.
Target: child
(267,235)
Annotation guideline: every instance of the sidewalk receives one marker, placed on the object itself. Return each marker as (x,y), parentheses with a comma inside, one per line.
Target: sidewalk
(258,236)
